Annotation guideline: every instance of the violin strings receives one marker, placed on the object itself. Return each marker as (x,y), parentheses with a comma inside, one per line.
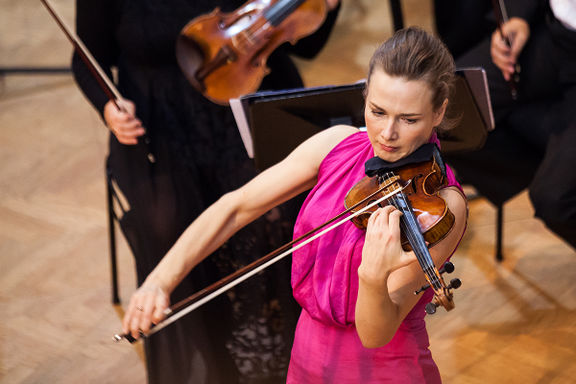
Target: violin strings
(281,10)
(274,16)
(417,242)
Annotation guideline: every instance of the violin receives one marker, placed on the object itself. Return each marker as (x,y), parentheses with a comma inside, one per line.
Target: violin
(425,219)
(413,189)
(424,181)
(223,55)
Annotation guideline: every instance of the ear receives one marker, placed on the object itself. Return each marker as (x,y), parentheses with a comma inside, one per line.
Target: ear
(439,114)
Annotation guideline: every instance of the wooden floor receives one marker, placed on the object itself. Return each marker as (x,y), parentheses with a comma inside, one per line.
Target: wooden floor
(514,322)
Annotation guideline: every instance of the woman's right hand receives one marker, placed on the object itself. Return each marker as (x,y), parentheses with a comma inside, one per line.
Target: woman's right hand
(123,123)
(147,306)
(504,57)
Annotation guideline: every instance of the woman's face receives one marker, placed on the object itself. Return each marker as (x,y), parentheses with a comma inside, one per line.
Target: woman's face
(399,115)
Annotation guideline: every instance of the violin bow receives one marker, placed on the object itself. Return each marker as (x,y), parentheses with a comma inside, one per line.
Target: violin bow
(200,298)
(95,69)
(501,18)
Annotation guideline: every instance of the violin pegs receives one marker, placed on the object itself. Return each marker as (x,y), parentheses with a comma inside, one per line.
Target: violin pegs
(422,289)
(447,267)
(455,283)
(431,308)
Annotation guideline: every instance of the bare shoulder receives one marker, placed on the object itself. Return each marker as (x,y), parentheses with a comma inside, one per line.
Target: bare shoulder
(303,163)
(316,148)
(297,172)
(330,137)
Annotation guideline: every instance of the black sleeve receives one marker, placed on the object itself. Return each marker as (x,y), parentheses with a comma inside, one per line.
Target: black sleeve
(463,24)
(95,25)
(529,10)
(310,46)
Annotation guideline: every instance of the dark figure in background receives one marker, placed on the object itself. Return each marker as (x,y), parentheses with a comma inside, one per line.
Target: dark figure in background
(461,24)
(534,143)
(247,335)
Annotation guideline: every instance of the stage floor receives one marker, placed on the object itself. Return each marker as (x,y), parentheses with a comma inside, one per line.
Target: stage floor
(514,322)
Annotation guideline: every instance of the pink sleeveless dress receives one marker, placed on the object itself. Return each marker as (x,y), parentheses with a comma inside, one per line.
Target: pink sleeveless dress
(327,348)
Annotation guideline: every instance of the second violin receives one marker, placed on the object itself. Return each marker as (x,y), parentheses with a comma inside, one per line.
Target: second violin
(223,55)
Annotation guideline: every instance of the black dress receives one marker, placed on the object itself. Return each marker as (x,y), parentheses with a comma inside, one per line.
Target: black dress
(246,335)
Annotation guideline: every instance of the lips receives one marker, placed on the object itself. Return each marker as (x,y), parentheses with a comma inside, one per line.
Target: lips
(388,148)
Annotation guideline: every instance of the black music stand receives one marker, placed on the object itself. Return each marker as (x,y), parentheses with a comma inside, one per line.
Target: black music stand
(273,123)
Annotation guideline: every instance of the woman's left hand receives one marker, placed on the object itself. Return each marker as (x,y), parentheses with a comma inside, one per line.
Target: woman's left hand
(382,252)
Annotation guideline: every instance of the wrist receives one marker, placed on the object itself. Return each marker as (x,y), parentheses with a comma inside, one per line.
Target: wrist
(155,281)
(372,282)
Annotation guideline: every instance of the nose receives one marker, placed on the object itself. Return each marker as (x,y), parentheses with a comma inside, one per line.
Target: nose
(389,131)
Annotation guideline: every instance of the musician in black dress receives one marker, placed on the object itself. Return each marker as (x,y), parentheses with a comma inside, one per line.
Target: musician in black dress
(533,145)
(245,336)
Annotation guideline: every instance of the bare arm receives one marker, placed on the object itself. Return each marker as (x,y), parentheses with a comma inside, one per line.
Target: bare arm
(220,221)
(389,276)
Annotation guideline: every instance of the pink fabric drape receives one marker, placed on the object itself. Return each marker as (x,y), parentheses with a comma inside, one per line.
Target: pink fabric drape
(327,348)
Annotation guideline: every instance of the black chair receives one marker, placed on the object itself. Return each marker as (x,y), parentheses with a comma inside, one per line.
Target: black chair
(111,196)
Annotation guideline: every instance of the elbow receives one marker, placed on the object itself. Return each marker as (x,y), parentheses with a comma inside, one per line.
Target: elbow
(375,341)
(231,205)
(371,343)
(375,330)
(376,334)
(228,202)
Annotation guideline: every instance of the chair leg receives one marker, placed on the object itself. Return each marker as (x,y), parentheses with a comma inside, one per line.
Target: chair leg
(112,241)
(397,14)
(499,214)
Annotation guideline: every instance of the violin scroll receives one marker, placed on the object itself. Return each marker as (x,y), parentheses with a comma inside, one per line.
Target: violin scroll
(446,298)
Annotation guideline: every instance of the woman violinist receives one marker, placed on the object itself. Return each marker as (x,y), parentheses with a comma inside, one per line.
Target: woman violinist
(361,321)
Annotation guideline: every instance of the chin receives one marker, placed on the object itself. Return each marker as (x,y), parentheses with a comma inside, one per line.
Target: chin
(390,157)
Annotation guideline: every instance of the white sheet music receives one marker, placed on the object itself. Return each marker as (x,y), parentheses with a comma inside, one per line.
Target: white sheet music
(242,123)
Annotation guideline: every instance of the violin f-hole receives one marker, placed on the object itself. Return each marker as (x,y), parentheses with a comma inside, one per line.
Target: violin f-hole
(414,182)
